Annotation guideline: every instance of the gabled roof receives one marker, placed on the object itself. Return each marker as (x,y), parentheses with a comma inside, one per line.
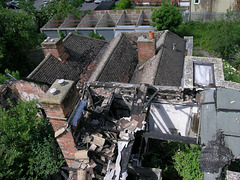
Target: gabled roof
(82,51)
(120,62)
(166,67)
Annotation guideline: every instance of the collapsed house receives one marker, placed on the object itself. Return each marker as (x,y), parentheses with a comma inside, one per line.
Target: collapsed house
(136,88)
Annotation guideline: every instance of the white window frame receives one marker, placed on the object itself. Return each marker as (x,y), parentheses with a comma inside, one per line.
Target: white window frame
(196,1)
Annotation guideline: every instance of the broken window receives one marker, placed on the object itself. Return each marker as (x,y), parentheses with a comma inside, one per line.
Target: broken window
(203,74)
(196,1)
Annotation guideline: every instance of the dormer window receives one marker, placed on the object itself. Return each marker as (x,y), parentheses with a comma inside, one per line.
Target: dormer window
(196,1)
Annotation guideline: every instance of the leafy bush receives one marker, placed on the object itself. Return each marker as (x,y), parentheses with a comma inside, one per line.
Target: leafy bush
(167,17)
(230,73)
(96,35)
(124,4)
(25,143)
(187,162)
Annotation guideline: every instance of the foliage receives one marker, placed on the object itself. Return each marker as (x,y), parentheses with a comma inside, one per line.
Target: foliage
(176,160)
(96,35)
(220,36)
(187,162)
(4,77)
(62,36)
(124,4)
(25,143)
(3,3)
(160,156)
(58,8)
(18,35)
(230,73)
(167,17)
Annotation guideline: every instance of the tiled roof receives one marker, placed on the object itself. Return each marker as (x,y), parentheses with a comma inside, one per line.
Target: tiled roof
(170,68)
(82,51)
(121,65)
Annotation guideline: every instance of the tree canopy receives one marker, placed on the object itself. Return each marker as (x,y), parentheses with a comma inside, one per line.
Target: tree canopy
(167,17)
(18,35)
(26,144)
(124,4)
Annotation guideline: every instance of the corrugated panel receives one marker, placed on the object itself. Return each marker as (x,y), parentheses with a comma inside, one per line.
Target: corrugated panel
(228,99)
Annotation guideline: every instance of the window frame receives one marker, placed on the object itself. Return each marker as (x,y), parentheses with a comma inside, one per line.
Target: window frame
(196,1)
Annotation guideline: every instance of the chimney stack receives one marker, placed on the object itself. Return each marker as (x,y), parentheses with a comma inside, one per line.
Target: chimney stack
(60,99)
(55,47)
(146,47)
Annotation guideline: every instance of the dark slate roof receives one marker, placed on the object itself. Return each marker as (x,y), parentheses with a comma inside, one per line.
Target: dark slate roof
(170,68)
(121,65)
(82,51)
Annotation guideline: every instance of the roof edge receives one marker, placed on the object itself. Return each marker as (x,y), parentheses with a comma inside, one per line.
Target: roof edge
(161,41)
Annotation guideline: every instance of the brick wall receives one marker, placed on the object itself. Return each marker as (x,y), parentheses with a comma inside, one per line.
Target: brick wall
(65,142)
(146,49)
(56,48)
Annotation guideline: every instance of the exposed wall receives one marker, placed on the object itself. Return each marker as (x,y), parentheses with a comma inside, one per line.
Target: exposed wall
(213,6)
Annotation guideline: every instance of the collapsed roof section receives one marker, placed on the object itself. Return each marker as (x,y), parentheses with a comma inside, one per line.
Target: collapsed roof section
(105,121)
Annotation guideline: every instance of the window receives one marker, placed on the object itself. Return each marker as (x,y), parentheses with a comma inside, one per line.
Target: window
(196,1)
(203,75)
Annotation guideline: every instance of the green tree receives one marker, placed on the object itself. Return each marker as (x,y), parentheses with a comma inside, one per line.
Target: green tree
(187,162)
(4,77)
(96,35)
(18,35)
(59,9)
(167,17)
(124,4)
(26,144)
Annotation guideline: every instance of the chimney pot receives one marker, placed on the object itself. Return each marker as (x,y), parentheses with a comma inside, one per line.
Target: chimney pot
(53,91)
(151,34)
(61,81)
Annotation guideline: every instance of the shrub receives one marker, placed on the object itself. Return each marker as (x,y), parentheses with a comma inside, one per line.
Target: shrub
(96,35)
(124,4)
(167,17)
(187,162)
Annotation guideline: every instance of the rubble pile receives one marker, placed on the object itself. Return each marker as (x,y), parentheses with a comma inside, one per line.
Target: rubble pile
(110,119)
